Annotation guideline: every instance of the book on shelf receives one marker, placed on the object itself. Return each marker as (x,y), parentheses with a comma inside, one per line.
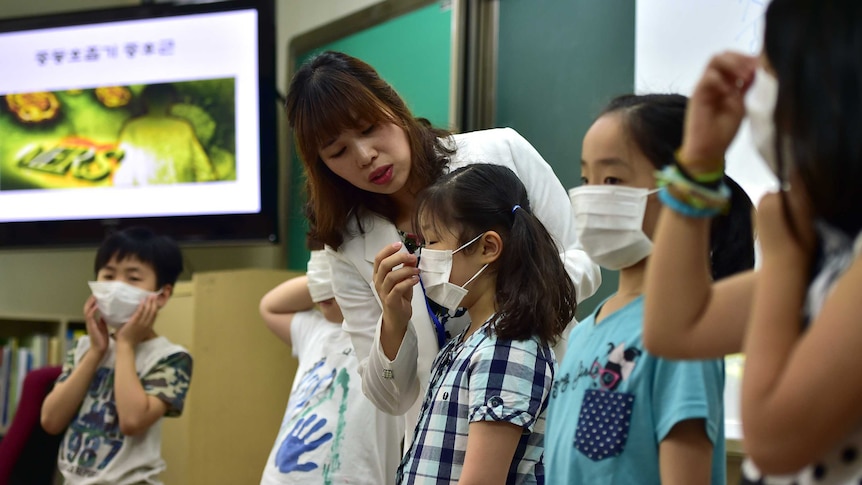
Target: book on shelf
(23,366)
(55,356)
(5,383)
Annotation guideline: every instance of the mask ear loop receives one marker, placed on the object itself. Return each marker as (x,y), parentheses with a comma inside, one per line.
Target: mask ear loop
(475,276)
(468,243)
(483,267)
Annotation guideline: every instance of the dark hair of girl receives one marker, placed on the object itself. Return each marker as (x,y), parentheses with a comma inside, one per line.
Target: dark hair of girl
(654,122)
(731,237)
(535,295)
(333,92)
(814,48)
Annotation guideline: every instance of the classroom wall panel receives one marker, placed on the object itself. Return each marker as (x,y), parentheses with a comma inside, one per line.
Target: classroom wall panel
(559,63)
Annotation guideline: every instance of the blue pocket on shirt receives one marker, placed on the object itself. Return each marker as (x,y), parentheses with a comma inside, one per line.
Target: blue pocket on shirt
(603,425)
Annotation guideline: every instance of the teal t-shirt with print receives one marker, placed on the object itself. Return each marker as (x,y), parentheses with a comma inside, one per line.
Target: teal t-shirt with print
(612,403)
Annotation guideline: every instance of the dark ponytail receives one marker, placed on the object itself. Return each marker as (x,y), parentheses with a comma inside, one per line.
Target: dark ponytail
(535,295)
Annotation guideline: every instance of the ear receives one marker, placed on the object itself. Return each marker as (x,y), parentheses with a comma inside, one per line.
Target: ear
(491,247)
(165,295)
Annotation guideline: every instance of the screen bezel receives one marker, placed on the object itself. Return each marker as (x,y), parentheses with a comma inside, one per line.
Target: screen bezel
(257,227)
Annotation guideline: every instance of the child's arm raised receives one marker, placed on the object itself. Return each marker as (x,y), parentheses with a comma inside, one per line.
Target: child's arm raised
(800,393)
(685,455)
(489,442)
(281,303)
(62,403)
(685,315)
(136,409)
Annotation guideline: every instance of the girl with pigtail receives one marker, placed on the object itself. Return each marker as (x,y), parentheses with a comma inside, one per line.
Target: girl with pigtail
(483,250)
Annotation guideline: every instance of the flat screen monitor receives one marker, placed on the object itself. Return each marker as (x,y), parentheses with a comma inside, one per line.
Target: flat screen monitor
(162,115)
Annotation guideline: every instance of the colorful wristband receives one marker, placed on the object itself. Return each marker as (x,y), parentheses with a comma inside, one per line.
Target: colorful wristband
(694,194)
(710,179)
(680,207)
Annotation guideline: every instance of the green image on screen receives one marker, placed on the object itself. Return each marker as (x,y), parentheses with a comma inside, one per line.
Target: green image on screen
(119,136)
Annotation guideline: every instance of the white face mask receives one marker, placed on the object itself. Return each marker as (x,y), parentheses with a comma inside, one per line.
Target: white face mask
(117,301)
(609,223)
(435,266)
(760,110)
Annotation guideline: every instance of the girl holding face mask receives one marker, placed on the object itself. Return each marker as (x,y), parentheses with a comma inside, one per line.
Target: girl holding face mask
(489,386)
(618,414)
(798,317)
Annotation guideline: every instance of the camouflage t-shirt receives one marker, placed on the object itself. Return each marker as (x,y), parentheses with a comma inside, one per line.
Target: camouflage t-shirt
(94,450)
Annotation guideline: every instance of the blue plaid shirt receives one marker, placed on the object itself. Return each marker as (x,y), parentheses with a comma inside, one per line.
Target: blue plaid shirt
(482,378)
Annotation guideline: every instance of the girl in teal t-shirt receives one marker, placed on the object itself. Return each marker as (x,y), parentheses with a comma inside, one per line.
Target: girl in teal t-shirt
(619,415)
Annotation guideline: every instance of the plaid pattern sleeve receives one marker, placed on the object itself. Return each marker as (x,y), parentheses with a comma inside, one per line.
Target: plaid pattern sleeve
(509,382)
(481,379)
(169,381)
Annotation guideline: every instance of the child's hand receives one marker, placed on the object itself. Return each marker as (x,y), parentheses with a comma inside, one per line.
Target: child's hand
(715,111)
(395,286)
(140,326)
(96,327)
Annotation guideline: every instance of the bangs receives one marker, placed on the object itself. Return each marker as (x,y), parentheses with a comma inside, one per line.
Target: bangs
(332,104)
(121,248)
(435,212)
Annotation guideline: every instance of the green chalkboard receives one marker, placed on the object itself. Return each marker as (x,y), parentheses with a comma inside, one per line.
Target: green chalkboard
(559,62)
(413,53)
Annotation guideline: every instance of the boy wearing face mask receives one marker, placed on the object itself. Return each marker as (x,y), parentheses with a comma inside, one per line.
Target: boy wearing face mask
(122,378)
(618,414)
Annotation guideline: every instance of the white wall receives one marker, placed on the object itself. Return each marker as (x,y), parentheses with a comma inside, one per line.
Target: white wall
(53,281)
(674,40)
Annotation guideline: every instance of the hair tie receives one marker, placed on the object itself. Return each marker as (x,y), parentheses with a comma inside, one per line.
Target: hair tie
(515,208)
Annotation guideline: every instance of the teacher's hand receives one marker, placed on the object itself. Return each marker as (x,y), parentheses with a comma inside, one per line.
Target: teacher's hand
(395,275)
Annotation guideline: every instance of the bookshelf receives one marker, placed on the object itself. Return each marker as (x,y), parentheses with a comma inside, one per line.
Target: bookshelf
(29,342)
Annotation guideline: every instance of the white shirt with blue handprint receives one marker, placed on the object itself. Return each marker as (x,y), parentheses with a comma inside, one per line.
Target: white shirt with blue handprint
(331,433)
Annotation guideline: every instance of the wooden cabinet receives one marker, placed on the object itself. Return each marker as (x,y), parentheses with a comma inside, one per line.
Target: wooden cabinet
(241,378)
